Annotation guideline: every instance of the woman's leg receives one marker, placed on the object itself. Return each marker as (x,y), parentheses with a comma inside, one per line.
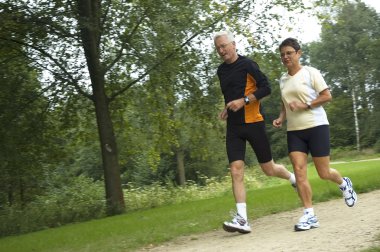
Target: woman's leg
(322,164)
(299,161)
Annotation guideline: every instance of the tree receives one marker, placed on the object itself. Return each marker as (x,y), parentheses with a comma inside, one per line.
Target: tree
(100,49)
(347,54)
(24,126)
(84,44)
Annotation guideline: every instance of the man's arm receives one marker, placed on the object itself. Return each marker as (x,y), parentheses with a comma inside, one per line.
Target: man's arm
(262,82)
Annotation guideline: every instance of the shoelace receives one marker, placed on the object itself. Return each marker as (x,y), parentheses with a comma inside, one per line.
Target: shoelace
(233,213)
(347,193)
(236,217)
(304,219)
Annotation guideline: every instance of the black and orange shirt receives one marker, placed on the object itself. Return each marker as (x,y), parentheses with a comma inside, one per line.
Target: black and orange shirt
(239,79)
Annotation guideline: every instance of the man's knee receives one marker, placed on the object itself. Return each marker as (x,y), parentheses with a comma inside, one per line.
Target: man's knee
(268,168)
(237,168)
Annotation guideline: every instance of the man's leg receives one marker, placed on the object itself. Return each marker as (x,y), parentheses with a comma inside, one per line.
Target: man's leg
(239,222)
(259,142)
(276,170)
(237,175)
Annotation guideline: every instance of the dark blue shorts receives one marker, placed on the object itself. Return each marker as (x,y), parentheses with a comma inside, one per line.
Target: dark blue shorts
(255,134)
(314,140)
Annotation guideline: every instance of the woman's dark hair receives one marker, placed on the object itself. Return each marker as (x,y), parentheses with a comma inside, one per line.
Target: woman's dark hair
(290,42)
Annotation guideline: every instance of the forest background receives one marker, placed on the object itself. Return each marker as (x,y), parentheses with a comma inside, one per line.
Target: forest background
(104,101)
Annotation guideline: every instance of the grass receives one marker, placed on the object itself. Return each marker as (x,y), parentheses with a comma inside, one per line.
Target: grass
(153,226)
(374,248)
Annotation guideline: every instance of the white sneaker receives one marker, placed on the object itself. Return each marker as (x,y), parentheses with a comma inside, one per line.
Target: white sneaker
(294,185)
(238,224)
(349,194)
(306,222)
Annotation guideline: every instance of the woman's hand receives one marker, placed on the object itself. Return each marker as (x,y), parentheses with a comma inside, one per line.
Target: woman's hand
(277,123)
(297,105)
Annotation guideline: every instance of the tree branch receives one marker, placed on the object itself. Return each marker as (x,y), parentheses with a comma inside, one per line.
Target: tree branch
(127,39)
(58,64)
(209,28)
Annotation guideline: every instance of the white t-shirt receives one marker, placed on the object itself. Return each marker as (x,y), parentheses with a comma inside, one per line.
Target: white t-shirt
(304,86)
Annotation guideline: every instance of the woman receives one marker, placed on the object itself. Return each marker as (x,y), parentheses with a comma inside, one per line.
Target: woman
(303,92)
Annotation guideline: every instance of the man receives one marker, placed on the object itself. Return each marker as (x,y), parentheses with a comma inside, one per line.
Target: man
(243,85)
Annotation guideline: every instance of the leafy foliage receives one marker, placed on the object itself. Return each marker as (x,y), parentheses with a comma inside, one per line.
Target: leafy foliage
(141,229)
(79,200)
(348,55)
(24,127)
(153,69)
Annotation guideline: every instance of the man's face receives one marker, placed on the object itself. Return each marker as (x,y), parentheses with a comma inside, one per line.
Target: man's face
(226,49)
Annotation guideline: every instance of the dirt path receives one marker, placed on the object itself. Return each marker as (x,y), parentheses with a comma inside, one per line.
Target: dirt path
(342,229)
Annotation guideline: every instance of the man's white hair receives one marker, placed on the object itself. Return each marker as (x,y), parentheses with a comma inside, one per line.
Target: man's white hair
(230,35)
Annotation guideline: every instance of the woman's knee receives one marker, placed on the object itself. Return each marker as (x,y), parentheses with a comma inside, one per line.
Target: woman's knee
(300,171)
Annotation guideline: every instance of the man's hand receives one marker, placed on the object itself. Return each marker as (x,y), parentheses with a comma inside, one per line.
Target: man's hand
(223,115)
(235,105)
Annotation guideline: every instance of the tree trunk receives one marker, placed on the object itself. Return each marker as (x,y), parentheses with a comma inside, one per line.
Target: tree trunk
(357,130)
(89,21)
(181,178)
(10,195)
(22,192)
(114,193)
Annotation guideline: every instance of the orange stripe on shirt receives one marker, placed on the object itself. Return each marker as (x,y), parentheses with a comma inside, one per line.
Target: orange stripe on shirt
(252,110)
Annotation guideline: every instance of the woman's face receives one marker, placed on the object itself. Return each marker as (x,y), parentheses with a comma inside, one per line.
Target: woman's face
(289,56)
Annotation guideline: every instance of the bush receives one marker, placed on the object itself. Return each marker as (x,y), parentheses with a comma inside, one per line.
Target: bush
(350,154)
(157,195)
(376,147)
(80,200)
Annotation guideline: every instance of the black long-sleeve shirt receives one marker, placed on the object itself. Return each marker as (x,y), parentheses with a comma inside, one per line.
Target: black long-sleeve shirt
(239,79)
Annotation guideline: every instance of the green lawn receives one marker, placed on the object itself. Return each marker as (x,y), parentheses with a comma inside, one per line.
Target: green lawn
(141,228)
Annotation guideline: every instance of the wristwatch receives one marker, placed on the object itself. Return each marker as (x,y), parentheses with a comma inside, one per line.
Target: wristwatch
(246,100)
(308,105)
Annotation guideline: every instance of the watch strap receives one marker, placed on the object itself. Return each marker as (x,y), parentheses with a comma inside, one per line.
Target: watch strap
(246,100)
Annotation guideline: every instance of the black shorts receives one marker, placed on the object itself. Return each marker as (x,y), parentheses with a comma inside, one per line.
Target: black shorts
(255,134)
(314,140)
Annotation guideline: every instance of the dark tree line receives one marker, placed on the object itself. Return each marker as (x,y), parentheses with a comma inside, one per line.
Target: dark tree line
(138,79)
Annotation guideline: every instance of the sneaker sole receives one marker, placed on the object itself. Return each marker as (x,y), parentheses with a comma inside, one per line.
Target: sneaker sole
(233,229)
(355,197)
(296,228)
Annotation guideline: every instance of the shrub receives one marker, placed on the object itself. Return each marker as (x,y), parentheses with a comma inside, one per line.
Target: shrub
(83,199)
(158,195)
(376,147)
(80,200)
